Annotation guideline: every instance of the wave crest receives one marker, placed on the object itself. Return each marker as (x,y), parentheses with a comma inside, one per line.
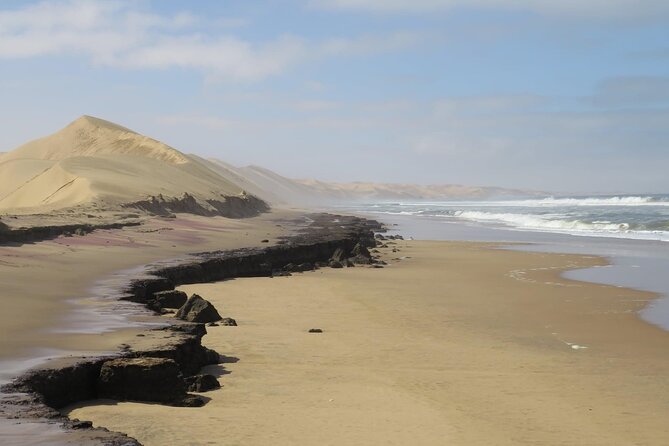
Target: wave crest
(533,221)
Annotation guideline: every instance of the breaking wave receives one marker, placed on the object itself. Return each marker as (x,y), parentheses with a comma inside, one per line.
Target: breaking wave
(595,201)
(551,223)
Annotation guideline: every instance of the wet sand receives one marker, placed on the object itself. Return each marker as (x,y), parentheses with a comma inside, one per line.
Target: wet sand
(459,344)
(45,284)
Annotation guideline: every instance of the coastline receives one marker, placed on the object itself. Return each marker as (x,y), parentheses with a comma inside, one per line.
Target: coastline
(415,413)
(72,379)
(635,264)
(445,344)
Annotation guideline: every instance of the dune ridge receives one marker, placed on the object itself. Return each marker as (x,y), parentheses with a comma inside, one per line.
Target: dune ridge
(96,163)
(278,189)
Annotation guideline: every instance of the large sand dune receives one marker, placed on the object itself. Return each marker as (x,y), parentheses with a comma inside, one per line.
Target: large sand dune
(282,190)
(92,161)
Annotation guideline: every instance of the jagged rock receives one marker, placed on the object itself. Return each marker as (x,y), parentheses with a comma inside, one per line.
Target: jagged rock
(170,299)
(290,267)
(202,383)
(335,264)
(80,232)
(302,267)
(280,274)
(320,264)
(143,290)
(141,379)
(197,309)
(360,260)
(77,424)
(228,322)
(315,330)
(349,263)
(338,255)
(379,237)
(360,251)
(191,401)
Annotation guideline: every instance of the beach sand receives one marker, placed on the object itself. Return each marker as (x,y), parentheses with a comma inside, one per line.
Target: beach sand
(45,284)
(459,344)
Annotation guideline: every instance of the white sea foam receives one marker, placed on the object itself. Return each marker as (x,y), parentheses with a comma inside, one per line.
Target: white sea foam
(534,221)
(551,223)
(545,202)
(593,201)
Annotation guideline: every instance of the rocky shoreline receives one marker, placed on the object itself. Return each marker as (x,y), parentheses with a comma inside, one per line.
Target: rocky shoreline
(40,233)
(175,354)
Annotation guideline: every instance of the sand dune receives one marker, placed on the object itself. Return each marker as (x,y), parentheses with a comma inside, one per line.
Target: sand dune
(278,189)
(398,191)
(89,136)
(95,161)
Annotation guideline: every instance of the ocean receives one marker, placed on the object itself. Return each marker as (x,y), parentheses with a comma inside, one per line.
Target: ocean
(631,231)
(634,217)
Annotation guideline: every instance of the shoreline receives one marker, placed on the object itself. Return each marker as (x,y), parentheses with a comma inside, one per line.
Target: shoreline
(551,359)
(181,273)
(316,242)
(629,258)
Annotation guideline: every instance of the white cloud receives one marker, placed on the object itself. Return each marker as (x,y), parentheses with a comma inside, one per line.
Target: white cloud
(598,9)
(225,57)
(117,34)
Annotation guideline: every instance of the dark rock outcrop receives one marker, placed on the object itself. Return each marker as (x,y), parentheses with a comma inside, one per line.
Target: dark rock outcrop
(143,290)
(323,237)
(338,255)
(238,206)
(228,322)
(71,380)
(360,251)
(197,309)
(62,384)
(170,299)
(142,379)
(202,383)
(39,233)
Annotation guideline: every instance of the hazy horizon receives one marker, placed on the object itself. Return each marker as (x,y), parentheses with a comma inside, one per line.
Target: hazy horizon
(560,97)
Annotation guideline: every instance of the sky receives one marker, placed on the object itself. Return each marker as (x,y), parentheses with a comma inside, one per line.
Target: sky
(555,95)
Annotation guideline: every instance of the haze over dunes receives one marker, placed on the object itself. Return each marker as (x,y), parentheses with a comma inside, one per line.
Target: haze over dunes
(93,162)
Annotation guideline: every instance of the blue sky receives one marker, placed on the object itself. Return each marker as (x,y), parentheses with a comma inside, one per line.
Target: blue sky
(555,95)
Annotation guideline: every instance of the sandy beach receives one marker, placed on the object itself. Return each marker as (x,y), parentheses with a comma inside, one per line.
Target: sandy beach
(51,280)
(457,343)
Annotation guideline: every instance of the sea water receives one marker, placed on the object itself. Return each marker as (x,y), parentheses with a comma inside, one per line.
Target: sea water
(632,232)
(633,217)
